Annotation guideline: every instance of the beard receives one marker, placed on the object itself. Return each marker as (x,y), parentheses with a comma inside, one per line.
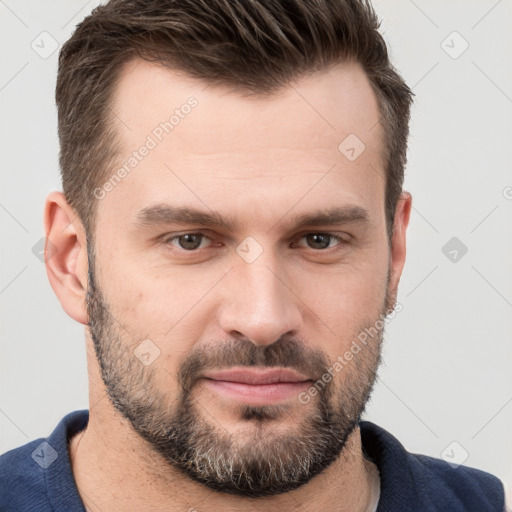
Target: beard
(261,459)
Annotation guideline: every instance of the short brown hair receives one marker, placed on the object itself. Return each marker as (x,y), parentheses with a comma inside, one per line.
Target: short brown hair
(257,46)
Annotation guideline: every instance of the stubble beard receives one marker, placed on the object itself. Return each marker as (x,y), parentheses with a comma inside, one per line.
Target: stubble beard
(266,460)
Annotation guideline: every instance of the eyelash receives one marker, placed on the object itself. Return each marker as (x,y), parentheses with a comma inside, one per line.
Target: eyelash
(337,238)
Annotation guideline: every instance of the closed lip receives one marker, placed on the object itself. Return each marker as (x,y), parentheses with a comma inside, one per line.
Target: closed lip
(255,376)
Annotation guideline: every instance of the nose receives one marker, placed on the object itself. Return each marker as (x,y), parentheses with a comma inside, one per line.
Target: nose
(259,303)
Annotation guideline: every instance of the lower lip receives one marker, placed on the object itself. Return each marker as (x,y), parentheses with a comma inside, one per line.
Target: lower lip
(260,394)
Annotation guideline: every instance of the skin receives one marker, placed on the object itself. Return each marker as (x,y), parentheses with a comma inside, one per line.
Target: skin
(261,161)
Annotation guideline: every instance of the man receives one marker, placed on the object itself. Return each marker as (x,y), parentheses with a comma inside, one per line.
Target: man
(232,222)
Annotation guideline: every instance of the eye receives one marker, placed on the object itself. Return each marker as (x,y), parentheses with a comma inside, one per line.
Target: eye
(193,241)
(321,241)
(187,241)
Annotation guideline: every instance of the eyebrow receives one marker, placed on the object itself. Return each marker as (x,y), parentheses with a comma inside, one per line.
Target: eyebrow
(169,214)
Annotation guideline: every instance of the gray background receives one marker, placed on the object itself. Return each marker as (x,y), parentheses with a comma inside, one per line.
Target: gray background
(446,376)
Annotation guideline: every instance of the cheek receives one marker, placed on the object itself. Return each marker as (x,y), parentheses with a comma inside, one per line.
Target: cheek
(345,296)
(341,305)
(170,309)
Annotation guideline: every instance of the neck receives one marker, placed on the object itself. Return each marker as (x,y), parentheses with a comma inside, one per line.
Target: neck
(116,470)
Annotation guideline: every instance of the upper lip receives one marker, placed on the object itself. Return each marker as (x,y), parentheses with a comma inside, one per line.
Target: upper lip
(257,376)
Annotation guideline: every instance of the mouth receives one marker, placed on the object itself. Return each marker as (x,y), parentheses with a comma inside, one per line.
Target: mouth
(257,386)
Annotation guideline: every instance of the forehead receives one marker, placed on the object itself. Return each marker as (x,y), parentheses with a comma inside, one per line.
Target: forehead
(339,100)
(183,139)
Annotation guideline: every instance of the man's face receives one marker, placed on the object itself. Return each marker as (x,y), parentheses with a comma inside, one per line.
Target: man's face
(173,301)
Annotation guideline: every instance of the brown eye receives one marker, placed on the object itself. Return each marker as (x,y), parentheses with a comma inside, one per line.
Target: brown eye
(188,241)
(321,240)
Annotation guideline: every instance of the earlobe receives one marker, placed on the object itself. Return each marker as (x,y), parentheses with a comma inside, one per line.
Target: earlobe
(66,256)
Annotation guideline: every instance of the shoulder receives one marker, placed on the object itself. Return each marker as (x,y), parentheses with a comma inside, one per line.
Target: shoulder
(428,483)
(22,480)
(38,475)
(461,483)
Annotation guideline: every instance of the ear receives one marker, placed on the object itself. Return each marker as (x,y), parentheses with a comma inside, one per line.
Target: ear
(398,245)
(66,256)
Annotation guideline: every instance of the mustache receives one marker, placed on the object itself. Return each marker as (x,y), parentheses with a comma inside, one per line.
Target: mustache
(285,352)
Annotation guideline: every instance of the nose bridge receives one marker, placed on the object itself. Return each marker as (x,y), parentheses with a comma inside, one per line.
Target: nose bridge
(258,303)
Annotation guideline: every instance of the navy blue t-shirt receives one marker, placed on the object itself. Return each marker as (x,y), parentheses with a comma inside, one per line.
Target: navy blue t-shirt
(38,477)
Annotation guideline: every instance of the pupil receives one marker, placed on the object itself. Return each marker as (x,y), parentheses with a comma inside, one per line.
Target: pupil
(190,241)
(323,240)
